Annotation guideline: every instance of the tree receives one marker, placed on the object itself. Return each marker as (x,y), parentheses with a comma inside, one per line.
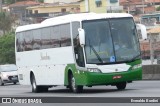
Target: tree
(6,22)
(13,1)
(7,49)
(158,8)
(42,1)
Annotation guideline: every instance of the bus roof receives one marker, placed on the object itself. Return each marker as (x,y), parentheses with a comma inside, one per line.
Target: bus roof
(71,18)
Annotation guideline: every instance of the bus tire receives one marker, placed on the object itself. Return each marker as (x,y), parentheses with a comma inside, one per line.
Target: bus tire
(1,83)
(121,86)
(43,88)
(73,87)
(35,88)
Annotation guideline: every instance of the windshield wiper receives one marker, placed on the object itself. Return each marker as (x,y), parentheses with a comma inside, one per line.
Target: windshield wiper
(135,57)
(99,58)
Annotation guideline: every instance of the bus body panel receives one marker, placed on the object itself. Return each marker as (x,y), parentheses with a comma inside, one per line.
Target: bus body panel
(48,65)
(83,77)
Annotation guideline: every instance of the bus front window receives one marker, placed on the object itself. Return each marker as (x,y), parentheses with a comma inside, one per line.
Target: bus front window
(110,41)
(124,39)
(99,46)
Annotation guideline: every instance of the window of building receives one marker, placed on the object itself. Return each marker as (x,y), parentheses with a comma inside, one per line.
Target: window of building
(30,11)
(63,10)
(36,11)
(98,3)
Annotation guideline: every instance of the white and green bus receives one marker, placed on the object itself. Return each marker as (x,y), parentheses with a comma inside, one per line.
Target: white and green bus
(77,50)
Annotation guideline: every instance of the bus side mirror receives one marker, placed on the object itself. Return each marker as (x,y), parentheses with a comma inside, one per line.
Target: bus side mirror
(142,29)
(81,36)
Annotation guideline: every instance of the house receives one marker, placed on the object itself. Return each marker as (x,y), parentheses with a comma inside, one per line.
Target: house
(43,11)
(135,7)
(153,41)
(19,10)
(150,20)
(113,6)
(97,6)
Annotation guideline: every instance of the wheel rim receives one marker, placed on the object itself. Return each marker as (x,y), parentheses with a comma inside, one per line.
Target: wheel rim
(34,84)
(73,83)
(0,82)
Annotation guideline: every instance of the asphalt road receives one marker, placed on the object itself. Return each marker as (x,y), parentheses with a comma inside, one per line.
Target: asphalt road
(135,89)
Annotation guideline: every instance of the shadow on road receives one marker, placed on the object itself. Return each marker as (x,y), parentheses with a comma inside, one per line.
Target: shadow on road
(10,84)
(86,91)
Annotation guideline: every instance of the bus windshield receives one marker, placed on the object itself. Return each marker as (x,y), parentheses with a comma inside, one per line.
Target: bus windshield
(110,41)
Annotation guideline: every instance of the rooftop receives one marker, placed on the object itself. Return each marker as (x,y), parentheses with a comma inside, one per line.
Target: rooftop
(24,3)
(154,30)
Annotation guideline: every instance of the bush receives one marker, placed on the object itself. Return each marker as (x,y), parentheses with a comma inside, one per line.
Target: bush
(7,49)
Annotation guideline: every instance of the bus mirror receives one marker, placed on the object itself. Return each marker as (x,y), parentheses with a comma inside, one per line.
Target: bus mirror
(81,36)
(142,29)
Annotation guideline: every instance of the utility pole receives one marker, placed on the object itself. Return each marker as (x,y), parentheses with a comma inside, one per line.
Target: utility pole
(87,5)
(151,49)
(143,6)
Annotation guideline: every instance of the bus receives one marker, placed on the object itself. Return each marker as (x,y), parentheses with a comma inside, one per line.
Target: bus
(77,50)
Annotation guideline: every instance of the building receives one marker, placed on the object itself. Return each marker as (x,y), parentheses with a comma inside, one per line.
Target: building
(18,9)
(153,41)
(150,20)
(135,7)
(113,6)
(43,11)
(97,6)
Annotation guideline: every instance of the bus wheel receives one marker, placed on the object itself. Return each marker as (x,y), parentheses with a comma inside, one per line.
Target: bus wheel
(121,86)
(1,83)
(75,88)
(35,88)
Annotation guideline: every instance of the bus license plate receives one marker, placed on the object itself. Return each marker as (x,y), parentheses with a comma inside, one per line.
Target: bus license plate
(117,77)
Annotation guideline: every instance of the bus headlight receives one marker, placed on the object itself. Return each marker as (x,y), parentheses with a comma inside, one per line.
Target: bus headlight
(94,70)
(136,66)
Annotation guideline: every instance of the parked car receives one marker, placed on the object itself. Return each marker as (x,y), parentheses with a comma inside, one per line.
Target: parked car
(8,74)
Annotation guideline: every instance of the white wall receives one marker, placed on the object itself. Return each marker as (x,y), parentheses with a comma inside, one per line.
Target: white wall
(113,6)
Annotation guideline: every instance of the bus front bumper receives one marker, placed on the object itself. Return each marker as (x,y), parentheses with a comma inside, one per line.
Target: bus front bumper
(89,78)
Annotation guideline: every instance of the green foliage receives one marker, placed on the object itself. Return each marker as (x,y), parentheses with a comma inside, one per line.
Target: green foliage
(42,1)
(6,22)
(7,49)
(158,8)
(11,1)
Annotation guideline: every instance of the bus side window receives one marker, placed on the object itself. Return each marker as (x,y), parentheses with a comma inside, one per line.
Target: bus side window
(65,35)
(28,40)
(78,50)
(55,37)
(36,39)
(18,42)
(46,38)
